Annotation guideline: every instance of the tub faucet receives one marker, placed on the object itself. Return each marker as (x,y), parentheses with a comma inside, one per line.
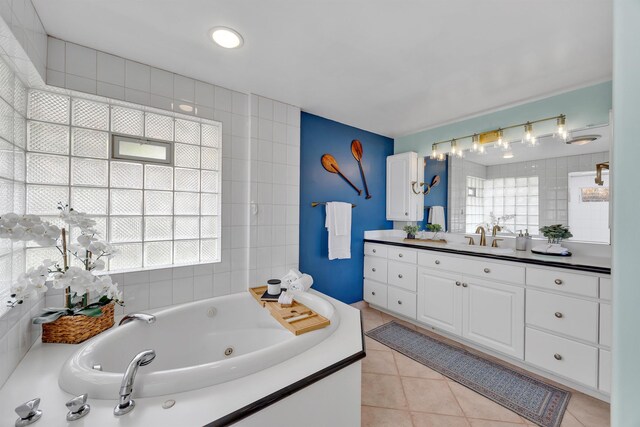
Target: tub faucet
(126,403)
(149,318)
(483,235)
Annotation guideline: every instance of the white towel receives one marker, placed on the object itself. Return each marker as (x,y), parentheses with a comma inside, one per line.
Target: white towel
(302,284)
(436,216)
(338,224)
(290,277)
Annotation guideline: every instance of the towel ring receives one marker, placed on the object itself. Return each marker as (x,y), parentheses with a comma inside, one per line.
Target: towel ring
(413,186)
(427,190)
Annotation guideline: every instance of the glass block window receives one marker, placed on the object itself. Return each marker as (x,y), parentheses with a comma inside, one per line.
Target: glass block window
(155,214)
(510,202)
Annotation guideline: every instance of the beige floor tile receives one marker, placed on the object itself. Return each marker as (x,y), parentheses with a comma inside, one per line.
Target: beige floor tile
(370,322)
(408,367)
(379,362)
(388,318)
(434,396)
(568,420)
(384,391)
(491,423)
(475,405)
(372,344)
(384,417)
(590,411)
(423,419)
(360,305)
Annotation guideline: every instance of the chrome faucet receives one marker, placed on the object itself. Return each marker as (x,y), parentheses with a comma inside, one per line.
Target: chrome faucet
(149,318)
(126,403)
(483,235)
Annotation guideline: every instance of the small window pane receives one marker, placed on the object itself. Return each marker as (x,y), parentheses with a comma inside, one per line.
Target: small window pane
(138,149)
(158,177)
(186,251)
(127,229)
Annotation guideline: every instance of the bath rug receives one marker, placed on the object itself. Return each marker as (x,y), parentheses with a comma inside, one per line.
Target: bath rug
(540,403)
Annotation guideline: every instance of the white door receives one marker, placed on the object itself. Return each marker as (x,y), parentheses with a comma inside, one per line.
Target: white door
(493,315)
(401,169)
(440,300)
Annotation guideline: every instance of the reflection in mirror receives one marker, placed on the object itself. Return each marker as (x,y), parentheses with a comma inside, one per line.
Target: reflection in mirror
(437,195)
(530,187)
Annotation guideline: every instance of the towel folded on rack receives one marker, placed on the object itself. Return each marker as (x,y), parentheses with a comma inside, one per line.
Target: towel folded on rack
(436,216)
(338,224)
(302,284)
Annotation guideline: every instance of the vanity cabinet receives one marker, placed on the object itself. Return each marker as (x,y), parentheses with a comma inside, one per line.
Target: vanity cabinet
(403,204)
(555,320)
(486,312)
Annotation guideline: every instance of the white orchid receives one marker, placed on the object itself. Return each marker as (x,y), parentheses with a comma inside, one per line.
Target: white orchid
(87,249)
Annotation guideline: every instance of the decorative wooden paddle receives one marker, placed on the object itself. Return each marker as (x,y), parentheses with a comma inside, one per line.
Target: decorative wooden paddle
(435,181)
(356,150)
(331,165)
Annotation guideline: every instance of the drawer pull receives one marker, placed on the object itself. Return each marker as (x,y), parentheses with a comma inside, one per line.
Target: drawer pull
(558,315)
(486,270)
(458,283)
(437,262)
(406,214)
(373,293)
(557,356)
(558,281)
(399,255)
(399,276)
(373,269)
(464,285)
(399,302)
(374,251)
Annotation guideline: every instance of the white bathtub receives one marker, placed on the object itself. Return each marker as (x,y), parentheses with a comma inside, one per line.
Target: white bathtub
(190,342)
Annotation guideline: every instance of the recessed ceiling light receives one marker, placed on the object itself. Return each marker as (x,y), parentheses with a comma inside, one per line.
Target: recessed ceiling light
(508,155)
(582,140)
(226,37)
(185,107)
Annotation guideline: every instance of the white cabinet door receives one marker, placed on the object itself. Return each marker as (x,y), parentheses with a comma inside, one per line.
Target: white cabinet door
(440,300)
(402,203)
(493,316)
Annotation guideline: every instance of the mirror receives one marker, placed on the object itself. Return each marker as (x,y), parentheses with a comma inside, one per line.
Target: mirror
(528,187)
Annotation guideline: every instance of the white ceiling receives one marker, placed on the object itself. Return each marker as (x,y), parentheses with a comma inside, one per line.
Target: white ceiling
(391,67)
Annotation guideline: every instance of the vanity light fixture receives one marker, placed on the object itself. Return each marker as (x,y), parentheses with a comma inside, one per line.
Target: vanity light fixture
(226,37)
(497,137)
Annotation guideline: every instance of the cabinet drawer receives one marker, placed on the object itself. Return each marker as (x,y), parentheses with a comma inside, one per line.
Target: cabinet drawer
(373,249)
(566,315)
(606,289)
(375,269)
(604,371)
(439,262)
(606,325)
(494,271)
(402,254)
(562,356)
(563,281)
(401,302)
(375,293)
(402,275)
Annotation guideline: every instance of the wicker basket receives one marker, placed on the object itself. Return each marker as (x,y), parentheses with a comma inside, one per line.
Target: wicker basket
(76,329)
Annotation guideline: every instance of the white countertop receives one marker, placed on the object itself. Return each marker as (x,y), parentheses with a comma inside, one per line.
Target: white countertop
(573,261)
(37,376)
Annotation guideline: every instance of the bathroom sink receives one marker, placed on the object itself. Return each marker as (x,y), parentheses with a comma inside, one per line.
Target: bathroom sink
(480,249)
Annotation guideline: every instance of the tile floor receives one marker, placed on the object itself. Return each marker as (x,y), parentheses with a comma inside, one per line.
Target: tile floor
(399,392)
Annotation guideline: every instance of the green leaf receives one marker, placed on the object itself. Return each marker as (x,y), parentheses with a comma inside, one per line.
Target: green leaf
(91,312)
(48,317)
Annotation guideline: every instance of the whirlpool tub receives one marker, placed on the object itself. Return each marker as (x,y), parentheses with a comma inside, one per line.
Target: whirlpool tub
(199,344)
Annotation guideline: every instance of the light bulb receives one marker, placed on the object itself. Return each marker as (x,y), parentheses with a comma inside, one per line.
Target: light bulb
(528,132)
(434,154)
(454,147)
(481,149)
(475,140)
(533,141)
(441,157)
(500,137)
(562,126)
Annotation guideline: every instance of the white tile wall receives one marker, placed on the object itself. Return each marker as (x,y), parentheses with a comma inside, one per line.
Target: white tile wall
(24,39)
(275,188)
(16,332)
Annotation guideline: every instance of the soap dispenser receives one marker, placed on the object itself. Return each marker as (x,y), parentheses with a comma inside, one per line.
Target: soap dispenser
(521,242)
(528,239)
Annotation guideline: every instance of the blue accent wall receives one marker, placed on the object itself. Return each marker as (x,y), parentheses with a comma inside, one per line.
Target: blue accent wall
(439,194)
(341,279)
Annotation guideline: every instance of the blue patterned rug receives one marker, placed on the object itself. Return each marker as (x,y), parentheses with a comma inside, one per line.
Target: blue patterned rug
(528,397)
